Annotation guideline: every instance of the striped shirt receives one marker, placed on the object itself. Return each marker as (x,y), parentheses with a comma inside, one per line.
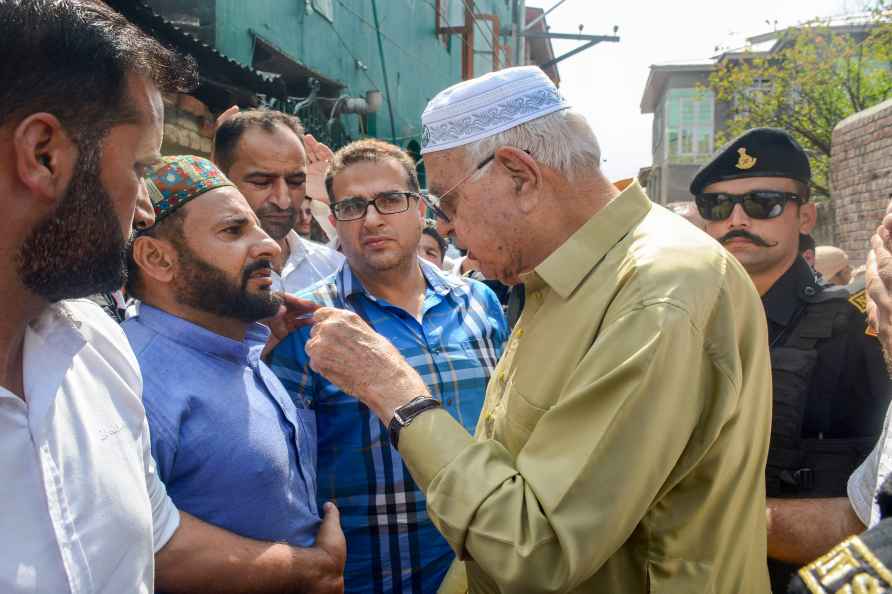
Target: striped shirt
(454,345)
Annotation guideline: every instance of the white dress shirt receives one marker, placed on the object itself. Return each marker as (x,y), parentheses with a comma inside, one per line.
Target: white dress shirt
(870,476)
(83,510)
(308,263)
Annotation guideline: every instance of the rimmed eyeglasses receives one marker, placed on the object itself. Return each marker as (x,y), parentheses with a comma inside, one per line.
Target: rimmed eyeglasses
(386,203)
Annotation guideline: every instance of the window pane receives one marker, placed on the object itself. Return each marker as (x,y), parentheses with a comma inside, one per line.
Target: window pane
(687,111)
(687,141)
(672,135)
(704,142)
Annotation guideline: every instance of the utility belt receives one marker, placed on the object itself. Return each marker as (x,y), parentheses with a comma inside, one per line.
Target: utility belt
(814,467)
(797,466)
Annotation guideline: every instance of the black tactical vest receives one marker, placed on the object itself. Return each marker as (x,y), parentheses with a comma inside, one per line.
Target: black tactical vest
(798,466)
(813,467)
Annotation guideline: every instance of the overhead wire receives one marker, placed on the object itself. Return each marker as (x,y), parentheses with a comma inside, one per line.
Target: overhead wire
(384,35)
(413,56)
(470,8)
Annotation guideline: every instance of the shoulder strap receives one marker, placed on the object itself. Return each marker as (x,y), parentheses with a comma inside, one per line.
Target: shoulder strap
(818,321)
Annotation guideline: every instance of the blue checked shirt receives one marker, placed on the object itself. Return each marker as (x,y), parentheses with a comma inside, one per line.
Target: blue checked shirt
(392,546)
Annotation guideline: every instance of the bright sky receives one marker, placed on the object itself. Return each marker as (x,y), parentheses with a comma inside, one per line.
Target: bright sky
(606,82)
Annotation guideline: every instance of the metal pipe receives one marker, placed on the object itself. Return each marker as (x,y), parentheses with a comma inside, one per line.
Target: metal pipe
(532,23)
(519,55)
(467,38)
(572,36)
(384,70)
(563,57)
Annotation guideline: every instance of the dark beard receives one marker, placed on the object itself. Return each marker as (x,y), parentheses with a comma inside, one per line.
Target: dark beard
(202,286)
(79,250)
(277,230)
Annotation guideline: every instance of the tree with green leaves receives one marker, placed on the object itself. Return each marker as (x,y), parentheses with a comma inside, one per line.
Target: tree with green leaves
(823,73)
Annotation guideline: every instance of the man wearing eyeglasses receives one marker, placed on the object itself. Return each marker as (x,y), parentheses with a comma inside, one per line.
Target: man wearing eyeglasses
(829,380)
(452,331)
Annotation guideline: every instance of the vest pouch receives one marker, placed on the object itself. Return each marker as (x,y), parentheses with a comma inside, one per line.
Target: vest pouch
(832,462)
(791,373)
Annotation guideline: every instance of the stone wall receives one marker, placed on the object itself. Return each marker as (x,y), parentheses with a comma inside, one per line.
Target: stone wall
(188,126)
(861,177)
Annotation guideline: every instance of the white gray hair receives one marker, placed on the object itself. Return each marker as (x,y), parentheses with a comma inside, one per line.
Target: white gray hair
(562,140)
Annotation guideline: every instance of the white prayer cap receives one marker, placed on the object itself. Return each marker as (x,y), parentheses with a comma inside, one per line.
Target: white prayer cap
(484,106)
(829,260)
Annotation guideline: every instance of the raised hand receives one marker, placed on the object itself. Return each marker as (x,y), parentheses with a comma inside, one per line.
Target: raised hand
(293,314)
(319,157)
(361,362)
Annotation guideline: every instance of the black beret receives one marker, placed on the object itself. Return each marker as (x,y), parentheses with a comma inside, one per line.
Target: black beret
(760,152)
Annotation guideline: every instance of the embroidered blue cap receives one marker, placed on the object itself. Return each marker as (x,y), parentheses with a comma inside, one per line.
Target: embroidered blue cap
(487,105)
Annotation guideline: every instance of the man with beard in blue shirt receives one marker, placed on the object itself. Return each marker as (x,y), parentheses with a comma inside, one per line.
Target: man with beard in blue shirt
(230,445)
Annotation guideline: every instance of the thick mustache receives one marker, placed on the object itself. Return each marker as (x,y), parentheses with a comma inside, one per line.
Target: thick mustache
(254,267)
(740,233)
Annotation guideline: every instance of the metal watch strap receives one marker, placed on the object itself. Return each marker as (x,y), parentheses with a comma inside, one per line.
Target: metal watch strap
(405,414)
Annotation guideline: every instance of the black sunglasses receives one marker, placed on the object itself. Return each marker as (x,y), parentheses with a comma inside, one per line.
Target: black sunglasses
(758,204)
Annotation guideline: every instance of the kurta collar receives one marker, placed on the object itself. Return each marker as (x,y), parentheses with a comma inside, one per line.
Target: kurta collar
(565,268)
(195,337)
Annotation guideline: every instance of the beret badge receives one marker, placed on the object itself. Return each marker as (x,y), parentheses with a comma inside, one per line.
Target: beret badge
(745,161)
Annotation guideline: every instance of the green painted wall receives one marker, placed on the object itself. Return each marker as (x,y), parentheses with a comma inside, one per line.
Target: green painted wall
(419,64)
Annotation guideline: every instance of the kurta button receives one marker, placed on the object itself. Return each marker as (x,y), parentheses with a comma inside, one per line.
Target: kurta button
(809,291)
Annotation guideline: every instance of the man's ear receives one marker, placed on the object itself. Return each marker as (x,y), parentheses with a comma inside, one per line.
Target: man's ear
(808,217)
(526,175)
(156,258)
(45,156)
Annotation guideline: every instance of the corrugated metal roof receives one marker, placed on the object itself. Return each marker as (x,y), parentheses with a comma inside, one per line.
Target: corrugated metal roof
(212,63)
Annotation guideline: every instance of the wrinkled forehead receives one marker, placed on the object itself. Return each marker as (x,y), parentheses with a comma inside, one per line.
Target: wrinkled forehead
(278,150)
(367,178)
(218,205)
(444,169)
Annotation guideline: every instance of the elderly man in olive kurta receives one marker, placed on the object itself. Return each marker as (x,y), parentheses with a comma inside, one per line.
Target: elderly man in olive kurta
(623,439)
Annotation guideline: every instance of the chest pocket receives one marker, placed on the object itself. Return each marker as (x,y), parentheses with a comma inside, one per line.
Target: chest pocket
(514,420)
(791,373)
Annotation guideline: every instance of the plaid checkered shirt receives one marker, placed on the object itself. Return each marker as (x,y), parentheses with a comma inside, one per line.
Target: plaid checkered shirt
(392,546)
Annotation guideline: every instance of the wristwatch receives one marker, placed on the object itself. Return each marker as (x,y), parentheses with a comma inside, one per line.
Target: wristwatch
(406,413)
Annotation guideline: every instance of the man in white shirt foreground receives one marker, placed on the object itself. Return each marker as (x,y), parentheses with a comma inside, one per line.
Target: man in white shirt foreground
(84,511)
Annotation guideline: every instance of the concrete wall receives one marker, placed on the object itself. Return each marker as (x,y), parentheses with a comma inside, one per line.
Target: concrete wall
(861,177)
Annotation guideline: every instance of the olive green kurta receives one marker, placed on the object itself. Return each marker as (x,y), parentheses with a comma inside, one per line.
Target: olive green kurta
(622,444)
